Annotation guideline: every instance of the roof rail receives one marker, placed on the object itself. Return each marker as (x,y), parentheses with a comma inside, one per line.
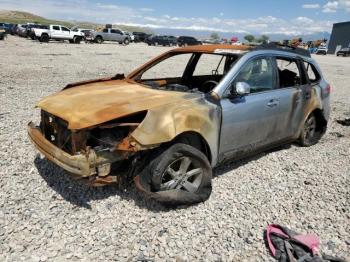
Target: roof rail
(286,48)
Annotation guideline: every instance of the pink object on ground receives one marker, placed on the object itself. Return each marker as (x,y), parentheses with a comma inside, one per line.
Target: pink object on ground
(309,240)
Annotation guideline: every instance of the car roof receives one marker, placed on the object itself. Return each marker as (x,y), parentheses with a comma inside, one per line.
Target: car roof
(241,49)
(213,49)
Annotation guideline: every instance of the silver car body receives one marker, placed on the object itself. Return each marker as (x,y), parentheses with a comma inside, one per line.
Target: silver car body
(262,119)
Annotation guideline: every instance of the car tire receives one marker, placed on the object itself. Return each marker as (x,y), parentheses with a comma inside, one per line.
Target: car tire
(126,41)
(76,40)
(178,175)
(44,38)
(310,134)
(99,40)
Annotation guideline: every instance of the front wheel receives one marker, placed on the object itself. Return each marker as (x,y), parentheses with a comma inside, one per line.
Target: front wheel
(179,175)
(126,41)
(310,133)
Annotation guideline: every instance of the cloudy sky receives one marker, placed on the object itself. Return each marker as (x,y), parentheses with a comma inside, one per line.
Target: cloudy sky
(257,17)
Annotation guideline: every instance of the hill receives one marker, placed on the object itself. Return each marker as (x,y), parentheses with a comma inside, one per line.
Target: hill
(20,17)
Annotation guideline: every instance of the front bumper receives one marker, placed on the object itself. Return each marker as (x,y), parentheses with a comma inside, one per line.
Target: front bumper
(84,165)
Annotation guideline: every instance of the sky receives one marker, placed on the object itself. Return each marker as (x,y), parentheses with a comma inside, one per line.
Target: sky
(286,17)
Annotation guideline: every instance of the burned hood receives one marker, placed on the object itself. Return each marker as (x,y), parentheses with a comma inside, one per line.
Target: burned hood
(95,103)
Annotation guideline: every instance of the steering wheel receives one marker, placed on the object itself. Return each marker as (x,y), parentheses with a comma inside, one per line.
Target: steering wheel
(209,85)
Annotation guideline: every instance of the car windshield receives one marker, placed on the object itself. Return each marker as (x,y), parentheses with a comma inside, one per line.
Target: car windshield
(187,72)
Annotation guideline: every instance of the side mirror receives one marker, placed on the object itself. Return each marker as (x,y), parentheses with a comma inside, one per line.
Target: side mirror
(241,89)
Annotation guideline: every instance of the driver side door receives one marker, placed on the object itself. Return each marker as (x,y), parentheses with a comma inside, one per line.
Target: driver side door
(249,121)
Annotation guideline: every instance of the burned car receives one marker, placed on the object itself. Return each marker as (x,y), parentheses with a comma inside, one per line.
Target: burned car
(169,122)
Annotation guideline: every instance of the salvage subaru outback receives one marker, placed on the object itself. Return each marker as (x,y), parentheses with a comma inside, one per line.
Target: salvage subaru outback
(168,123)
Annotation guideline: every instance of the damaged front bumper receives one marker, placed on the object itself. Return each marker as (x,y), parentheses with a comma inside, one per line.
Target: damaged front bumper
(83,165)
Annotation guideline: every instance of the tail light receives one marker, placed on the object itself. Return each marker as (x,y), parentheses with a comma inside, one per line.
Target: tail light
(326,91)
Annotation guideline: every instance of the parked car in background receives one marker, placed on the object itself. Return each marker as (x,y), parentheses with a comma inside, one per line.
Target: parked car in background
(140,36)
(344,52)
(322,50)
(30,30)
(58,32)
(131,36)
(88,33)
(22,30)
(7,27)
(111,34)
(13,30)
(2,32)
(162,40)
(187,40)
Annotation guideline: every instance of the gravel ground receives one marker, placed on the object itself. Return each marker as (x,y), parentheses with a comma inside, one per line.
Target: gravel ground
(45,215)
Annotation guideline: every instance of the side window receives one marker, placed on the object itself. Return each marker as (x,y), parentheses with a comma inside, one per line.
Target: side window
(288,72)
(113,31)
(172,67)
(56,28)
(312,73)
(65,29)
(105,30)
(209,64)
(258,74)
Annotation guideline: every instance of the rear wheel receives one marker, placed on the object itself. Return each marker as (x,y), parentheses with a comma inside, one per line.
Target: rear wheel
(99,40)
(44,38)
(76,40)
(180,174)
(310,134)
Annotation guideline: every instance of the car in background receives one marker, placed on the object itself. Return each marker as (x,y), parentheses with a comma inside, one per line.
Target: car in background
(7,27)
(140,36)
(30,30)
(88,33)
(22,30)
(58,32)
(187,40)
(132,37)
(2,32)
(344,52)
(162,40)
(111,34)
(322,50)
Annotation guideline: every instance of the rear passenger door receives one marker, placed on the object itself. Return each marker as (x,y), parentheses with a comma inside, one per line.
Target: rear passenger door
(56,32)
(116,35)
(292,95)
(65,33)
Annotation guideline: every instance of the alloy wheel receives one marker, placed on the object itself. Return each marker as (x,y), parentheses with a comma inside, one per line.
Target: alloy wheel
(183,174)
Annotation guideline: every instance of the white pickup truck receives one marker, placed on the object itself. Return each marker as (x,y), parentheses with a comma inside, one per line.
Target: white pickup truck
(58,32)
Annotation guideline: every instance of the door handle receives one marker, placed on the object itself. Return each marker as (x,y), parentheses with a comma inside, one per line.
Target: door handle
(273,103)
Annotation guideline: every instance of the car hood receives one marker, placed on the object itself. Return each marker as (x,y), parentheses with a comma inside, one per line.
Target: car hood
(91,104)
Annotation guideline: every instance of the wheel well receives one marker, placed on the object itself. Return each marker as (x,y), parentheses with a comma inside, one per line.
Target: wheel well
(321,121)
(196,140)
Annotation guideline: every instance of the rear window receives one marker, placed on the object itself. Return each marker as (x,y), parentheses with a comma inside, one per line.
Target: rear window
(56,28)
(312,72)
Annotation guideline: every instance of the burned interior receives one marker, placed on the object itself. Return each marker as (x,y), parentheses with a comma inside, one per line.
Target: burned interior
(187,71)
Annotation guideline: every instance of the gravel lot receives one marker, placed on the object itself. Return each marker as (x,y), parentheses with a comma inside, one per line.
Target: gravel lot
(45,215)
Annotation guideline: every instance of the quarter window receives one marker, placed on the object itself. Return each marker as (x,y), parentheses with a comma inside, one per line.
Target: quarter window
(258,74)
(312,73)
